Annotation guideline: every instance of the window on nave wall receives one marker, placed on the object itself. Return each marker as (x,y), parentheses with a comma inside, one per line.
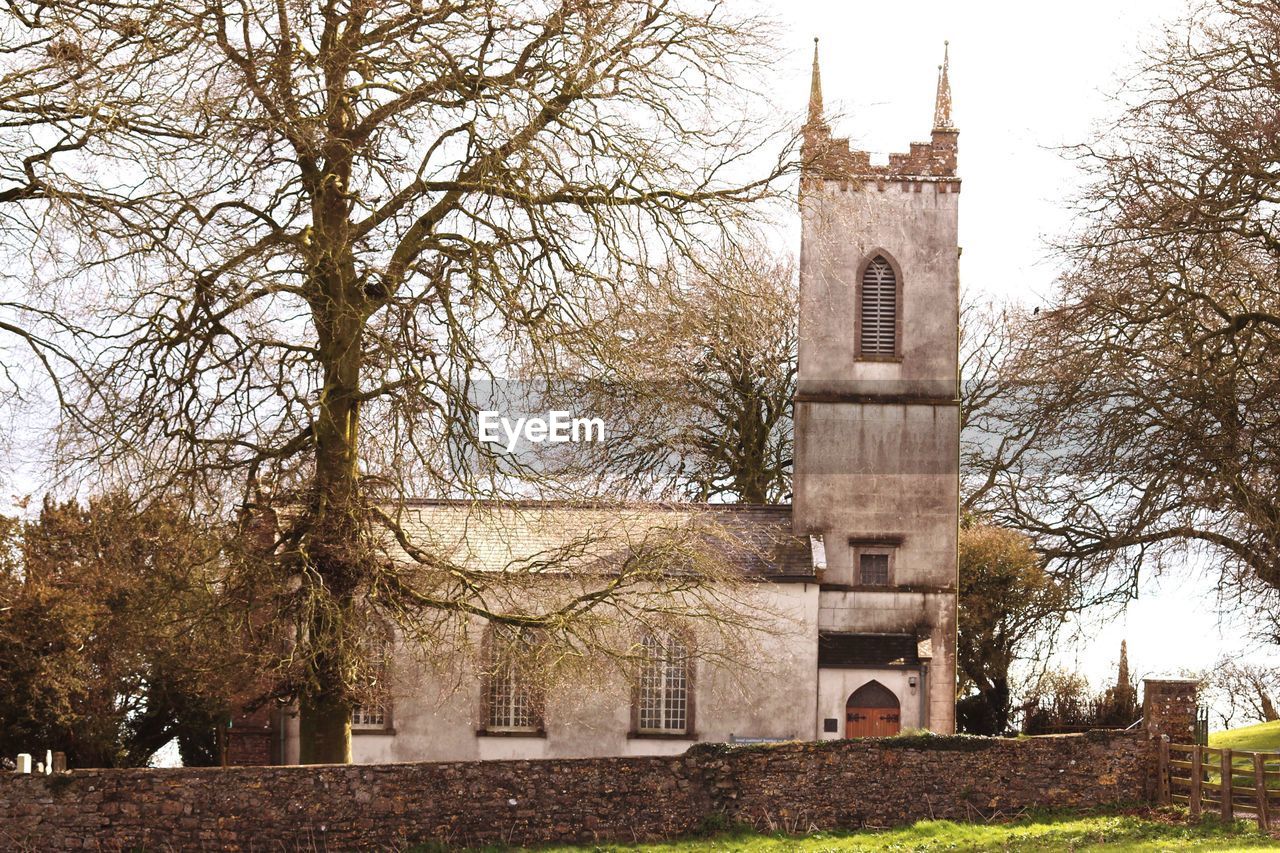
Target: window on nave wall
(373,712)
(512,693)
(663,697)
(369,716)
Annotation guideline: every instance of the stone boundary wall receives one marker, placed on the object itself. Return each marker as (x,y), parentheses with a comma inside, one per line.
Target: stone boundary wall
(852,784)
(797,786)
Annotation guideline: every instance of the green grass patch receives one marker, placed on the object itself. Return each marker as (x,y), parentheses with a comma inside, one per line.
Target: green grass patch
(1263,736)
(1148,831)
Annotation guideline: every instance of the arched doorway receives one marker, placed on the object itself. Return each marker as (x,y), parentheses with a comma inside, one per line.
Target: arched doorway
(872,711)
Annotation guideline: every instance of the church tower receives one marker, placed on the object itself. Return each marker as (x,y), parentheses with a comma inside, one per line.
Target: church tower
(877,421)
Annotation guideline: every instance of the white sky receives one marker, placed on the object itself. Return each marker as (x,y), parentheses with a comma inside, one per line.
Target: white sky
(1026,78)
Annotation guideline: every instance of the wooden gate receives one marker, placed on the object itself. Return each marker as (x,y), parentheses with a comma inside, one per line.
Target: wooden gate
(1233,783)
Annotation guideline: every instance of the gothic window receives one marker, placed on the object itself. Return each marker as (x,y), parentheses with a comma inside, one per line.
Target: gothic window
(663,700)
(512,699)
(878,307)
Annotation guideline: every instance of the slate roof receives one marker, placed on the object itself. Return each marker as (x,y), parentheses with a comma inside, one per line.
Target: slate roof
(839,649)
(482,535)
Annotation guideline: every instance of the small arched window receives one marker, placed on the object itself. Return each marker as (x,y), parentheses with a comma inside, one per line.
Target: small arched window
(878,318)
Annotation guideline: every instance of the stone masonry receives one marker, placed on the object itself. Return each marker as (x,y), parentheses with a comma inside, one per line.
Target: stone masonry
(833,784)
(1169,708)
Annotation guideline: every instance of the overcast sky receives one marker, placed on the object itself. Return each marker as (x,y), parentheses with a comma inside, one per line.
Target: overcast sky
(1027,78)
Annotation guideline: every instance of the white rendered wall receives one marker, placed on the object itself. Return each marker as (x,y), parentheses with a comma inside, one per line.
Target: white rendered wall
(772,696)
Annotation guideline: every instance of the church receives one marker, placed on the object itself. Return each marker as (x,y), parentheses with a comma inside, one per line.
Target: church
(863,563)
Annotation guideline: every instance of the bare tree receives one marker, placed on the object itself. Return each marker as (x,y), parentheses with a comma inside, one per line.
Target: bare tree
(40,76)
(1151,382)
(1000,427)
(315,223)
(1249,689)
(694,373)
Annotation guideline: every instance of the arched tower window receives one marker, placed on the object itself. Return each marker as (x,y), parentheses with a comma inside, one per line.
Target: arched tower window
(878,302)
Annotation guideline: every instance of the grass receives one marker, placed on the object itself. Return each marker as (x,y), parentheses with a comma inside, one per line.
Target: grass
(1148,831)
(1263,736)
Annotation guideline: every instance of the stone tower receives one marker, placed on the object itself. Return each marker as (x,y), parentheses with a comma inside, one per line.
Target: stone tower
(877,406)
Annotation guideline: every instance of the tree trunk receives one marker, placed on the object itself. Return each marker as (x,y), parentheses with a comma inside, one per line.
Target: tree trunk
(1268,707)
(325,730)
(334,543)
(998,701)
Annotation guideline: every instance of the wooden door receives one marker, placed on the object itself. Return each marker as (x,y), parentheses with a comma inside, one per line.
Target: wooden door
(871,722)
(872,711)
